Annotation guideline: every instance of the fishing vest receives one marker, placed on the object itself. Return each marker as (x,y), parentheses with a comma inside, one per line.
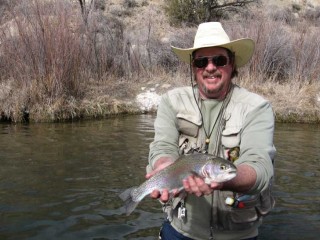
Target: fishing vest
(231,211)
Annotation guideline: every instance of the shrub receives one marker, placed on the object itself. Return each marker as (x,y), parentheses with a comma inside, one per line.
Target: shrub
(305,54)
(100,5)
(42,48)
(50,53)
(130,3)
(312,15)
(282,15)
(296,7)
(191,12)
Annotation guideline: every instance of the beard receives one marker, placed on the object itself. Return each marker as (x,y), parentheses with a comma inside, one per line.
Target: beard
(208,91)
(214,89)
(218,92)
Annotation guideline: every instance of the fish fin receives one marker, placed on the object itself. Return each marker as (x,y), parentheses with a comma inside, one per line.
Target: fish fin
(130,205)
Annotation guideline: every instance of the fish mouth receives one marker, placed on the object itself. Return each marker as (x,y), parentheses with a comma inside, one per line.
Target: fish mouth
(232,173)
(224,177)
(230,170)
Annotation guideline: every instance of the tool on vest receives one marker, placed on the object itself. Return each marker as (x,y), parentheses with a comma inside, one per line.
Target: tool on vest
(233,202)
(182,212)
(239,201)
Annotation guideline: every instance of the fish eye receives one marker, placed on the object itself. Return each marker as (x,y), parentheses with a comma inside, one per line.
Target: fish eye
(223,167)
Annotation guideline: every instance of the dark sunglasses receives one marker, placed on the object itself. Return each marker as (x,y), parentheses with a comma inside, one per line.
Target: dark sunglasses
(218,61)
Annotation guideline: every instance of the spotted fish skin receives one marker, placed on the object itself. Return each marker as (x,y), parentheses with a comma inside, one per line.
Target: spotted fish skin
(207,166)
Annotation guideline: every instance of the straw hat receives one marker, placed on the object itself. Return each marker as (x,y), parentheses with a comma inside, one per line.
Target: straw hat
(211,34)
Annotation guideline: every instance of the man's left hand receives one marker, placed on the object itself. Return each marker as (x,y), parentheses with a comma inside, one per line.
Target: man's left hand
(196,185)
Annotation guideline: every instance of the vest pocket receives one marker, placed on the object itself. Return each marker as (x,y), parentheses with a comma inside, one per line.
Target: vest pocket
(242,219)
(189,134)
(238,217)
(267,201)
(230,140)
(187,128)
(247,210)
(243,215)
(230,137)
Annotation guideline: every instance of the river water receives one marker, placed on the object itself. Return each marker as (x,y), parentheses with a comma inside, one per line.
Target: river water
(61,181)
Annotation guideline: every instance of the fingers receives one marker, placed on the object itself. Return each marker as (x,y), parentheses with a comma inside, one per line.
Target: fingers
(216,185)
(150,174)
(162,196)
(192,185)
(196,185)
(155,194)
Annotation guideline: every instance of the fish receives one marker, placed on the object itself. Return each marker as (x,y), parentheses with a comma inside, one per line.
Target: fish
(209,167)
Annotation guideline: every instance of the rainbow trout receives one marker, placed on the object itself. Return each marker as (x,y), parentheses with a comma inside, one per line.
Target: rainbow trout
(209,167)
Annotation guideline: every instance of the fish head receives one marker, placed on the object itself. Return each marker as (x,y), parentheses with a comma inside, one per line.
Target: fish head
(218,170)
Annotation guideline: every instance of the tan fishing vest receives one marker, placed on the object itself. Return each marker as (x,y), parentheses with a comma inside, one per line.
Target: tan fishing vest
(241,215)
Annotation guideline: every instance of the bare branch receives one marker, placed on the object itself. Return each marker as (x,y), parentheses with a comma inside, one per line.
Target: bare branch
(237,3)
(194,12)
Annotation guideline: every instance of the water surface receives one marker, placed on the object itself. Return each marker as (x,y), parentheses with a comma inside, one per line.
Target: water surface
(61,181)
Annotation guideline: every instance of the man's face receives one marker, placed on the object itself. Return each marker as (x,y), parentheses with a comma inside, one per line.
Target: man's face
(213,80)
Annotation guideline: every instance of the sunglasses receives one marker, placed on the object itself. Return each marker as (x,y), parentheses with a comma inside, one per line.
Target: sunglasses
(218,61)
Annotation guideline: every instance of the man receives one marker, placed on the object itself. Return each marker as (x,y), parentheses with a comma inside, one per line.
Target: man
(218,117)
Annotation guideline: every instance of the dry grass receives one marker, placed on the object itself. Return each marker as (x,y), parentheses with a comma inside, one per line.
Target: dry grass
(54,66)
(291,103)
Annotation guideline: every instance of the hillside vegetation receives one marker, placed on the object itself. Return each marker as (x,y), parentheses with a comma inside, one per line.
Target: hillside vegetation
(62,61)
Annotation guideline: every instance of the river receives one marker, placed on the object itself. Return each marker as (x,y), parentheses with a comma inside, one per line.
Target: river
(62,180)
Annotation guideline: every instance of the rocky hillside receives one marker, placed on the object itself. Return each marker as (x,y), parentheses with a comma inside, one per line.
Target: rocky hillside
(143,18)
(62,60)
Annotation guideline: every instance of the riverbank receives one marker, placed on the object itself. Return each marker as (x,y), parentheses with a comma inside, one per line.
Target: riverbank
(291,102)
(61,63)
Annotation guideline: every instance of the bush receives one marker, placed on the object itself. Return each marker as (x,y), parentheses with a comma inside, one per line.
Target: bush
(192,12)
(296,7)
(100,5)
(50,54)
(283,54)
(130,3)
(52,58)
(305,54)
(312,15)
(282,15)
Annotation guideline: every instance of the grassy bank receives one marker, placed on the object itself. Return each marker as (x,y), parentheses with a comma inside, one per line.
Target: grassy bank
(59,61)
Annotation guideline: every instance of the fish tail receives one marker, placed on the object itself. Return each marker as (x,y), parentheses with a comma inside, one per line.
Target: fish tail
(130,205)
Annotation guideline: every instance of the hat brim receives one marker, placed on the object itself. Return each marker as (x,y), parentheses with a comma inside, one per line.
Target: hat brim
(243,49)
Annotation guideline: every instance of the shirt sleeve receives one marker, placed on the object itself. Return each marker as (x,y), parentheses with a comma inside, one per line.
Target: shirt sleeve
(166,137)
(257,149)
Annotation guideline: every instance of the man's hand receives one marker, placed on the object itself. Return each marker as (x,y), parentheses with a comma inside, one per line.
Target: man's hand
(192,185)
(196,185)
(243,182)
